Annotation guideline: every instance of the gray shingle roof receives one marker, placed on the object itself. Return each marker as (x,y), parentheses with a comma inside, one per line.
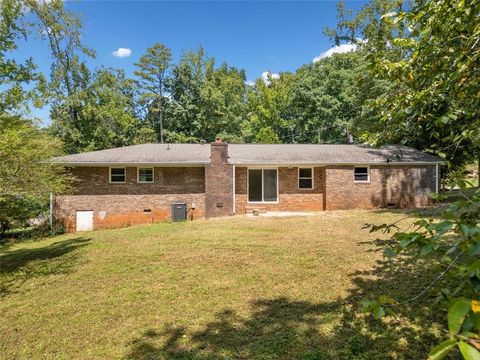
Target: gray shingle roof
(191,154)
(144,154)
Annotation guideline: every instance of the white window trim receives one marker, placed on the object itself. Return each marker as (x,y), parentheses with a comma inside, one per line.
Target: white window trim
(368,174)
(138,175)
(248,187)
(313,177)
(110,174)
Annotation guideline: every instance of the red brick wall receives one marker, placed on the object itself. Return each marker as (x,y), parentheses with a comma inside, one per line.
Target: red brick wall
(218,182)
(167,180)
(291,198)
(399,185)
(211,189)
(111,211)
(117,205)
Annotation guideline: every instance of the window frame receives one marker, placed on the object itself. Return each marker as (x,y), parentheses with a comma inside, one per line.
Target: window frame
(138,174)
(368,174)
(312,177)
(263,193)
(110,175)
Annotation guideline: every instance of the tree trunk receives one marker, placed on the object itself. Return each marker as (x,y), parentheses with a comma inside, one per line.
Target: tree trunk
(478,173)
(160,117)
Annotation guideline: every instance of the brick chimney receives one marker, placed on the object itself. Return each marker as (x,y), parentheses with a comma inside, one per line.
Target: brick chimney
(218,181)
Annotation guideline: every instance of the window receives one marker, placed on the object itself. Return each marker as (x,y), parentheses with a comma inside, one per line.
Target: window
(269,185)
(145,175)
(262,185)
(255,192)
(305,178)
(361,174)
(117,175)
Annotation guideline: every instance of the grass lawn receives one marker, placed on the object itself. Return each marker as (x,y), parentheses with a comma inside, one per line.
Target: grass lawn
(264,288)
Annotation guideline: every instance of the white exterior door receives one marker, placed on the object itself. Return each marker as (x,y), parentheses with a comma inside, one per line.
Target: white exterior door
(84,220)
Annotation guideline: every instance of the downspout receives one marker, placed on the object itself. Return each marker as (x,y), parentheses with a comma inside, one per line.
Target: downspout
(233,190)
(50,216)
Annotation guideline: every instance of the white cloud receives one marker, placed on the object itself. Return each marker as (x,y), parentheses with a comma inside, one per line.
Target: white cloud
(340,49)
(265,76)
(122,52)
(250,83)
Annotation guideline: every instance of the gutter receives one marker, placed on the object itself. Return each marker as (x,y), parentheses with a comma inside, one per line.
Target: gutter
(233,189)
(131,163)
(384,163)
(249,163)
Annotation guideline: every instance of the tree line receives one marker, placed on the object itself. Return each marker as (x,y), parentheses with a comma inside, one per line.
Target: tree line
(192,100)
(377,94)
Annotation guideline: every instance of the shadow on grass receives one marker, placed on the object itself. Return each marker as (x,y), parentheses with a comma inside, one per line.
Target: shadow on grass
(19,265)
(411,329)
(283,328)
(277,328)
(434,211)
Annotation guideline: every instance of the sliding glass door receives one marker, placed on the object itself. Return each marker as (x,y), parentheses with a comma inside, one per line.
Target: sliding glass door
(262,185)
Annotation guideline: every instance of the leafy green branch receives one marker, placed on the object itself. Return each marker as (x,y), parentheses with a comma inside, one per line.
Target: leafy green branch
(455,241)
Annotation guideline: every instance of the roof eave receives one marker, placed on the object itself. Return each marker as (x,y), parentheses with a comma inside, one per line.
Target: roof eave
(131,163)
(297,163)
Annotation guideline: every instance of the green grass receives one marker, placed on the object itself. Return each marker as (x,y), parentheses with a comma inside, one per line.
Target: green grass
(263,288)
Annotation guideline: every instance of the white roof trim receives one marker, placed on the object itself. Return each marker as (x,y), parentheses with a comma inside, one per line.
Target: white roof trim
(339,164)
(133,164)
(277,164)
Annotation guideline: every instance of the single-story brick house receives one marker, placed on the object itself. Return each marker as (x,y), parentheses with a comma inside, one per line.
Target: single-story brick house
(138,184)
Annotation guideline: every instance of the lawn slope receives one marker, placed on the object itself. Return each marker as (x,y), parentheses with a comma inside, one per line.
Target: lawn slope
(263,288)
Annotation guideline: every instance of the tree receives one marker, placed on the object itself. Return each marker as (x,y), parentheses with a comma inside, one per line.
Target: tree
(326,98)
(185,85)
(434,105)
(90,110)
(26,174)
(266,135)
(13,75)
(223,106)
(372,37)
(205,100)
(269,114)
(69,74)
(61,29)
(15,211)
(152,70)
(429,103)
(106,118)
(365,27)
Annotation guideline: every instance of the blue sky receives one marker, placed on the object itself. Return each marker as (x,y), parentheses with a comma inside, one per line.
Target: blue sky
(256,36)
